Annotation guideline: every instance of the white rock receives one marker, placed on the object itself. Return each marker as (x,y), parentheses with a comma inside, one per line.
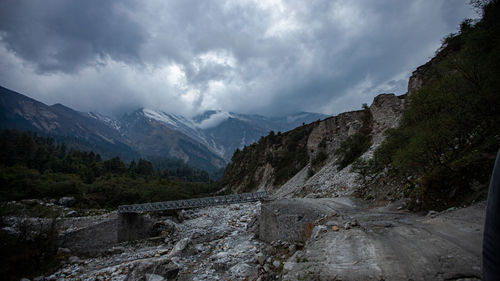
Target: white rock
(266,268)
(179,247)
(153,277)
(288,266)
(260,258)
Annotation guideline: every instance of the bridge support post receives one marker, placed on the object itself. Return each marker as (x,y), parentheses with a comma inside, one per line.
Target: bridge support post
(133,226)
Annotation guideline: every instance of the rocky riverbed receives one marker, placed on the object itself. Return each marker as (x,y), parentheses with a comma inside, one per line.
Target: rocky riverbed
(214,243)
(286,239)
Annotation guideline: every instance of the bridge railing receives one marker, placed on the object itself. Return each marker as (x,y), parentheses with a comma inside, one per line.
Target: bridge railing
(193,203)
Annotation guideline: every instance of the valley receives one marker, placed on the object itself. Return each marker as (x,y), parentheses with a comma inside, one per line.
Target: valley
(394,190)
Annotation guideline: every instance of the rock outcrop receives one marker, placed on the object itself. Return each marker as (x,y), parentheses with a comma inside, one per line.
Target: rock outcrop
(308,154)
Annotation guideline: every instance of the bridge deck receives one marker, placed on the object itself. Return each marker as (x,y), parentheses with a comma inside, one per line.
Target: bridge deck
(193,203)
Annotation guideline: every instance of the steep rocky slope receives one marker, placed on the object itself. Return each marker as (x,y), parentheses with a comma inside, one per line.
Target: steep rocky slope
(302,162)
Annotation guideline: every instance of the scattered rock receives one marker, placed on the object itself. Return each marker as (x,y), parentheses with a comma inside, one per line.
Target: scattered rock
(223,250)
(292,248)
(276,264)
(163,268)
(244,270)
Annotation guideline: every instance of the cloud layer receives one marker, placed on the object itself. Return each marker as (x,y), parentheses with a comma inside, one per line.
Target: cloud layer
(251,56)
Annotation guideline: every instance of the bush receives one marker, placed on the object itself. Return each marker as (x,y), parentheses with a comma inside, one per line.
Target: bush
(319,159)
(448,136)
(351,148)
(29,254)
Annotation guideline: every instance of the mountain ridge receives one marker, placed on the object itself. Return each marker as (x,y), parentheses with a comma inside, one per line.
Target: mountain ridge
(206,140)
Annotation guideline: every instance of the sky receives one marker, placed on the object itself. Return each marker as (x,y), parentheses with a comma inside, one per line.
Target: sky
(268,57)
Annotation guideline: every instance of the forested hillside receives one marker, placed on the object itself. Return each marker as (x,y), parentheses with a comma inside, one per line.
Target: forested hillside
(38,167)
(443,151)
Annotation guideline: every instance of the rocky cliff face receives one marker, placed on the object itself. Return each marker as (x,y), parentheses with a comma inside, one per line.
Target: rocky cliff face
(302,162)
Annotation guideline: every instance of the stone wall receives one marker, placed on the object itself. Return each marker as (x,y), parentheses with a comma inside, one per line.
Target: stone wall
(102,235)
(92,239)
(290,220)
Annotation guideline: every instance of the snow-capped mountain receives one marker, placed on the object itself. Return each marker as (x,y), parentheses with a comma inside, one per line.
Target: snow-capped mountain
(110,121)
(207,140)
(223,132)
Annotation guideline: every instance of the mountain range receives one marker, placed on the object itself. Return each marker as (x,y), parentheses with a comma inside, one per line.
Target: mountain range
(206,141)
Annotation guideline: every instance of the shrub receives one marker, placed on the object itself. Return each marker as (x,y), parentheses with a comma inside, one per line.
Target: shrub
(351,148)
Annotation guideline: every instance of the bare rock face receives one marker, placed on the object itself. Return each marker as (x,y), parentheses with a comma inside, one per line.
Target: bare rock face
(386,111)
(332,131)
(416,81)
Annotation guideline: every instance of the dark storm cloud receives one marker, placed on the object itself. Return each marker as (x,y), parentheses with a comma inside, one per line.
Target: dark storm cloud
(66,35)
(270,57)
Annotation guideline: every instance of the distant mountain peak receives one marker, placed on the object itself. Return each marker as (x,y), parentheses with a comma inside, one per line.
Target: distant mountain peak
(207,140)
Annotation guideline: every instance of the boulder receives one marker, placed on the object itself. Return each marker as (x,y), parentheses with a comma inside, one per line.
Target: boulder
(179,247)
(72,213)
(74,259)
(260,258)
(243,270)
(158,268)
(163,228)
(67,201)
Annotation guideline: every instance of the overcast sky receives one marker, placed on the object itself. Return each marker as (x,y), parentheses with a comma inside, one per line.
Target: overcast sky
(250,56)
